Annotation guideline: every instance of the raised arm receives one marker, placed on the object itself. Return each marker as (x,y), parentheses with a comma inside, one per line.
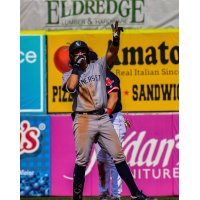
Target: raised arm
(114,47)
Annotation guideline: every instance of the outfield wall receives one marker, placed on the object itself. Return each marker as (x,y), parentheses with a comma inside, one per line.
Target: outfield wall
(147,66)
(151,147)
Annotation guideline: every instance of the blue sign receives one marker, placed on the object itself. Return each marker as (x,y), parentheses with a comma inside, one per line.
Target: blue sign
(35,155)
(32,74)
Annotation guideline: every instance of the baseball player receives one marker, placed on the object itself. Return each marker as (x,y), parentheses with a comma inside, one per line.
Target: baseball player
(104,161)
(86,83)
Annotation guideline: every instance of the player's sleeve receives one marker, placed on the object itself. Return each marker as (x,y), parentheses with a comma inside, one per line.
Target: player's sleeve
(104,65)
(65,77)
(114,85)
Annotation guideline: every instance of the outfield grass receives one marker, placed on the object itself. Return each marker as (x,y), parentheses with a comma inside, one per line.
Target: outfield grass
(88,198)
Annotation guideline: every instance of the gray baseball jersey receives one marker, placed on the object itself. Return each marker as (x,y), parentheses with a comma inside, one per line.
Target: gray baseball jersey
(90,93)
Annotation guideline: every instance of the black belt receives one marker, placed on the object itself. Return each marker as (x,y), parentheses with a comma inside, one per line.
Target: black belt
(94,112)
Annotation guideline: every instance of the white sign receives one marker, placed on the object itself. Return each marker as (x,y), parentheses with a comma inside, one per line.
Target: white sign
(98,14)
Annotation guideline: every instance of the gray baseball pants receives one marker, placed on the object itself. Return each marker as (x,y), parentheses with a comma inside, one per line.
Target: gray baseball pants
(87,128)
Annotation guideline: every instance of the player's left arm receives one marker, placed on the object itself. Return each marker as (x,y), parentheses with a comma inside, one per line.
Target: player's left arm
(113,98)
(114,47)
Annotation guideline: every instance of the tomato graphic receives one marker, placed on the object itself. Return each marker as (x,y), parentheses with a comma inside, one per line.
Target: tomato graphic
(61,59)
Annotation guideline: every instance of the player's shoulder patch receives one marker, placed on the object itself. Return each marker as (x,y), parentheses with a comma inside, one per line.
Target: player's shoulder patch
(108,81)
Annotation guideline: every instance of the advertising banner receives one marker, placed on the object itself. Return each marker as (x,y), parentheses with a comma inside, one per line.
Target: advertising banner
(35,168)
(147,66)
(32,74)
(151,147)
(98,14)
(176,153)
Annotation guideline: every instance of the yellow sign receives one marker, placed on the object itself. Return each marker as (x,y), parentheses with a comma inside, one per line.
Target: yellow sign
(58,101)
(147,66)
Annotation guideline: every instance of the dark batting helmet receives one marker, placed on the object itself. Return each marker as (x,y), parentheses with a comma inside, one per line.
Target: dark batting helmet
(93,55)
(78,45)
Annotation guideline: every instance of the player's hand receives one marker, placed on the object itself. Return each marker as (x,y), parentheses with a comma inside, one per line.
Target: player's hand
(127,123)
(116,30)
(80,59)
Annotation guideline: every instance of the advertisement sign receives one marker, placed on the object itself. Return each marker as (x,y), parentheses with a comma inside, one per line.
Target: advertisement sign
(32,74)
(148,69)
(35,168)
(176,153)
(98,14)
(147,66)
(151,147)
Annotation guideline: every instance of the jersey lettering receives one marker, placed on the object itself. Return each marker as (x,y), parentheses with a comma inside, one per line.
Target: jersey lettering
(85,81)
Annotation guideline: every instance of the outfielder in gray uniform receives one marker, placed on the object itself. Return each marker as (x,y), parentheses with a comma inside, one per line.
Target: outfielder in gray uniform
(86,84)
